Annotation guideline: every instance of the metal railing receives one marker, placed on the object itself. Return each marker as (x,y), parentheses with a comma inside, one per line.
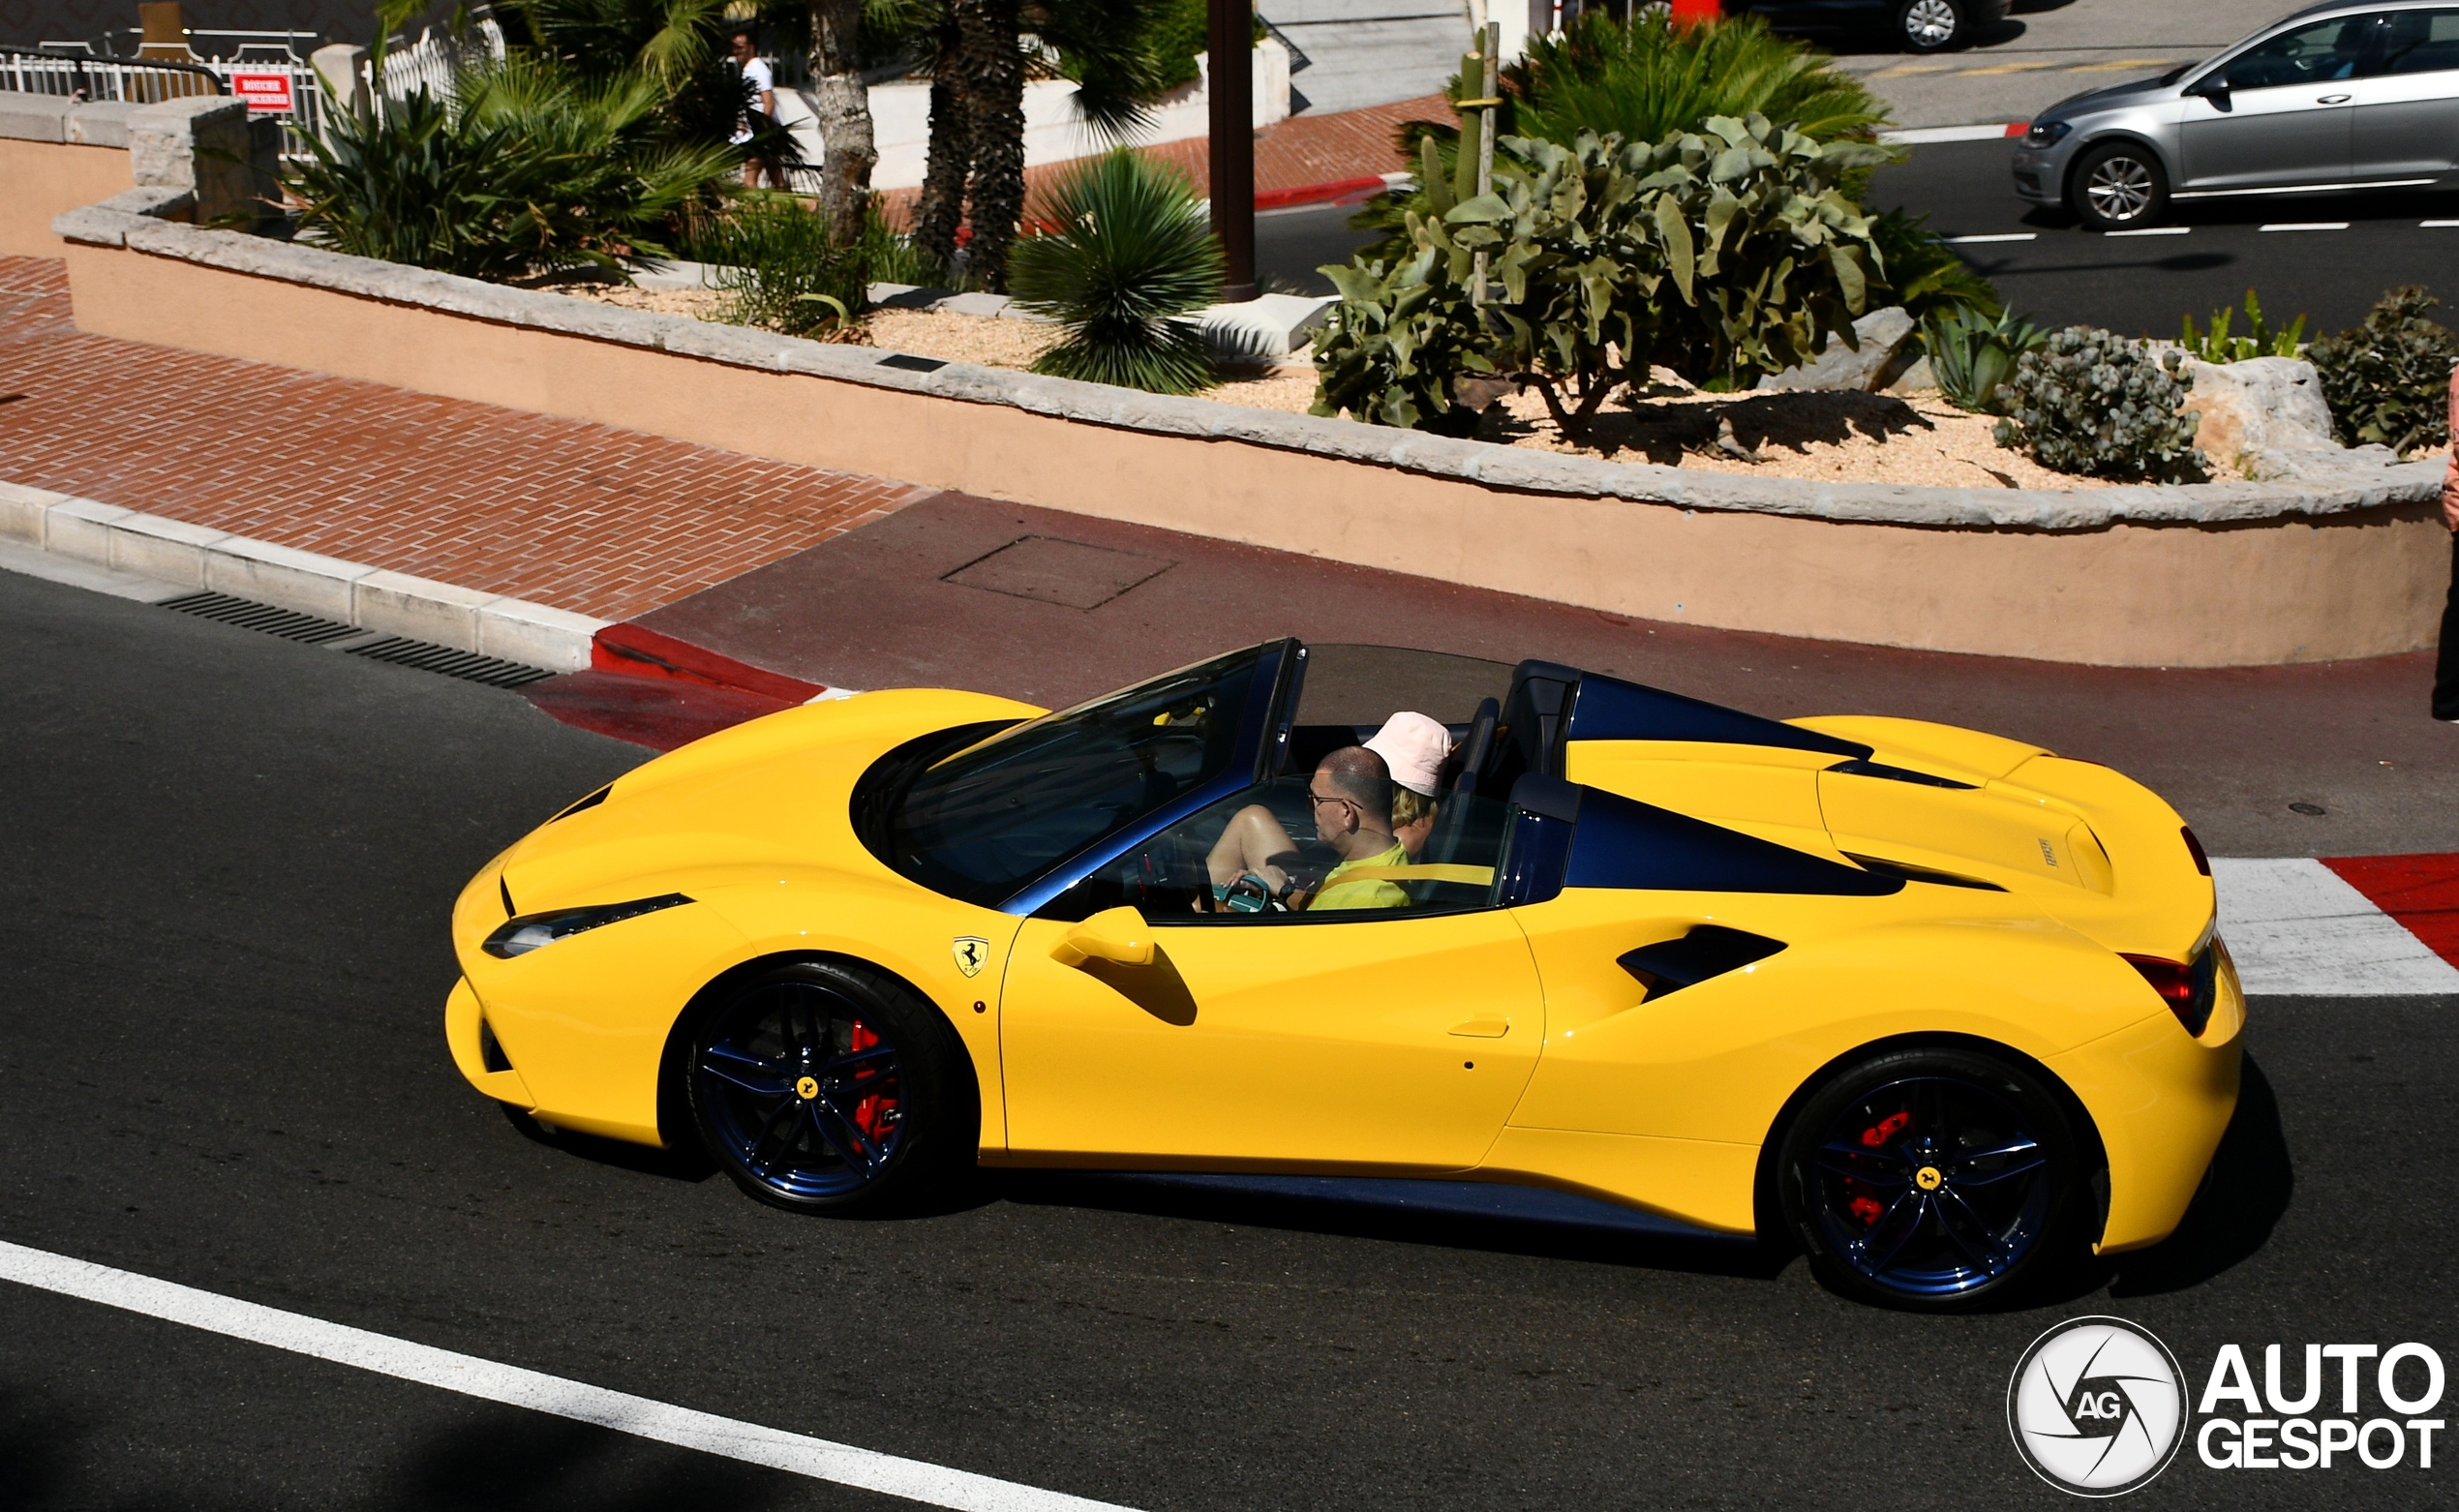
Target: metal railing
(76,75)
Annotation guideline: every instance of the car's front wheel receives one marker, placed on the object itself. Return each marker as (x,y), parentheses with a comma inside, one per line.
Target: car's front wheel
(823,1087)
(1933,1179)
(2118,185)
(1929,25)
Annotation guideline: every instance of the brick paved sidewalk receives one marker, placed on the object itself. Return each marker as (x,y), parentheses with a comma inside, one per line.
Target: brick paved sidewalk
(587,518)
(1290,154)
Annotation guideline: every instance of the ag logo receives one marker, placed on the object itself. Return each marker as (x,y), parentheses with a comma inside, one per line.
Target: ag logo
(973,953)
(2097,1407)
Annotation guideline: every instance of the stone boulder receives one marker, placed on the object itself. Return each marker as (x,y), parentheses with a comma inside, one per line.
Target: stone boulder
(2252,417)
(1882,335)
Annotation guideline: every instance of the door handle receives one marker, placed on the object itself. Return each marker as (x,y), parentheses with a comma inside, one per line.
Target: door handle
(1483,1028)
(2333,99)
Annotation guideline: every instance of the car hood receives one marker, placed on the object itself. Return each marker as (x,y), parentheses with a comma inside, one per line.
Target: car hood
(2113,97)
(763,798)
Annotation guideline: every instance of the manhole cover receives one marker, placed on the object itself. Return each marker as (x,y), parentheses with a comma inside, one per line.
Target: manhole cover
(1058,572)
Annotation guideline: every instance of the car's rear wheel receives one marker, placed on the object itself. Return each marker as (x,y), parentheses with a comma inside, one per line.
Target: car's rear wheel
(1933,1179)
(1929,25)
(823,1087)
(2118,187)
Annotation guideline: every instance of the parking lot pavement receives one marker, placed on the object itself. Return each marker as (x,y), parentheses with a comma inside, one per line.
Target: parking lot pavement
(2048,49)
(2326,257)
(222,960)
(895,604)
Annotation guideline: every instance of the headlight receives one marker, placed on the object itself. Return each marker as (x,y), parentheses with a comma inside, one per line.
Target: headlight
(2046,134)
(520,936)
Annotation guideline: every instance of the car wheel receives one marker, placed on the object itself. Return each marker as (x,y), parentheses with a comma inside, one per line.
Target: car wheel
(1933,1180)
(828,1088)
(1929,25)
(2117,187)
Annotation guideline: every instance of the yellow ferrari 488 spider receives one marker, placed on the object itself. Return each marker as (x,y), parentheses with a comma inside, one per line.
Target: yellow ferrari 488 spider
(1943,1010)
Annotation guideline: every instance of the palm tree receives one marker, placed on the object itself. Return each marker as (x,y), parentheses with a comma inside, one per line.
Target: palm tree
(975,167)
(842,103)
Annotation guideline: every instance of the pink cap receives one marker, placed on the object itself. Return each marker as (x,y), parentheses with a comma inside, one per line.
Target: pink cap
(1414,745)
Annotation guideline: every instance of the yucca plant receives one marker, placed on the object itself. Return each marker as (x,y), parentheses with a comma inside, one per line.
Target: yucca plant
(1131,257)
(526,168)
(2216,345)
(1972,356)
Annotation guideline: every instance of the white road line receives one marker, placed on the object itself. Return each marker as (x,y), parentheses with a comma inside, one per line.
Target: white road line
(2438,225)
(1964,241)
(2296,926)
(913,1480)
(2304,226)
(2153,231)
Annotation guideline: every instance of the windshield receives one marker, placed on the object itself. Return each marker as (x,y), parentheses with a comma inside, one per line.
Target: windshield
(980,824)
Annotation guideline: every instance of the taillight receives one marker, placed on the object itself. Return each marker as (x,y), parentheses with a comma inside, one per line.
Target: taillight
(2194,848)
(2189,988)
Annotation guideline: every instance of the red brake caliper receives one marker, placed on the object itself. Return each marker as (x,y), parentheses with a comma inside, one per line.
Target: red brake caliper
(876,1111)
(1864,1206)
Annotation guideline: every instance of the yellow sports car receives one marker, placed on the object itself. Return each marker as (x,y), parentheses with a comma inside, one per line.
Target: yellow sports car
(1944,1010)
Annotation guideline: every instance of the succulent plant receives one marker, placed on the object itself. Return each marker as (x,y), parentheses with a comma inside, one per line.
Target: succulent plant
(2092,403)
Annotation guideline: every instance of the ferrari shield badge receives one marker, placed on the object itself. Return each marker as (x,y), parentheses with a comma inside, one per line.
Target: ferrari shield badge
(972,951)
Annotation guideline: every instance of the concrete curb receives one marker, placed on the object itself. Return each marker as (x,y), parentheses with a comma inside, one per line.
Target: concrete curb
(194,556)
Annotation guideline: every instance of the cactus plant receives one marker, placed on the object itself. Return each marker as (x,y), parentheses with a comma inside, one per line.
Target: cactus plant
(2092,403)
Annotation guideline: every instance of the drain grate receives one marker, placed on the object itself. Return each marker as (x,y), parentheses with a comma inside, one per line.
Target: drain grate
(249,615)
(468,665)
(399,649)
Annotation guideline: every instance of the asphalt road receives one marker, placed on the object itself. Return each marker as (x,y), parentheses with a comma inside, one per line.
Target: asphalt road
(225,865)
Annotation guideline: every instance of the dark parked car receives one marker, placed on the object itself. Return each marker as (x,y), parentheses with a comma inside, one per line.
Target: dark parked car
(1917,25)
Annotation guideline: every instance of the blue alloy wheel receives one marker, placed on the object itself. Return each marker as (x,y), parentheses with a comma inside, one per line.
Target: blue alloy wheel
(1932,1179)
(1931,1187)
(801,1090)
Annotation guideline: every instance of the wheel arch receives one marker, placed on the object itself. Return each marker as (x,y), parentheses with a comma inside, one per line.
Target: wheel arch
(2126,135)
(1767,1211)
(675,1126)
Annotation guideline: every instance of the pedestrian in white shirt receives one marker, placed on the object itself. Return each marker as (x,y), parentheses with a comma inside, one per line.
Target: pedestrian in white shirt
(763,110)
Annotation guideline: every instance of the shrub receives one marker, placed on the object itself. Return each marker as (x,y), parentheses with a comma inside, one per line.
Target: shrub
(2388,381)
(1132,256)
(787,272)
(2216,345)
(524,170)
(1722,255)
(1926,275)
(1647,80)
(2091,402)
(1971,358)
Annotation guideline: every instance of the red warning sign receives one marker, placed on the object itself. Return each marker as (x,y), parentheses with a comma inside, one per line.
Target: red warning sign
(266,94)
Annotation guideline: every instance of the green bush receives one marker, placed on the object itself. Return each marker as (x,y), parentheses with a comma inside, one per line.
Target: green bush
(2095,404)
(1722,255)
(1132,256)
(2388,381)
(1647,80)
(2216,345)
(524,170)
(1971,356)
(786,273)
(1926,275)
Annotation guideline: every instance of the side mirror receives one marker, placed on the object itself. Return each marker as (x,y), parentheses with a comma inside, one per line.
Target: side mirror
(2213,87)
(1117,935)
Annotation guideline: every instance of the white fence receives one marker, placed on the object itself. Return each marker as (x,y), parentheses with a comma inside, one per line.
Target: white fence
(273,79)
(436,58)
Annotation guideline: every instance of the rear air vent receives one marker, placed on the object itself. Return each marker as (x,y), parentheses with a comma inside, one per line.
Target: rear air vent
(312,630)
(1912,873)
(1879,768)
(263,619)
(490,1053)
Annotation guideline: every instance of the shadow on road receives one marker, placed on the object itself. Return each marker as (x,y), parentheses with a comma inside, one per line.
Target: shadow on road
(519,1462)
(2243,1198)
(1739,1258)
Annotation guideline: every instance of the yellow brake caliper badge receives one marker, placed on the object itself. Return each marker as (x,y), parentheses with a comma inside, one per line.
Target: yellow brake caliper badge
(807,1088)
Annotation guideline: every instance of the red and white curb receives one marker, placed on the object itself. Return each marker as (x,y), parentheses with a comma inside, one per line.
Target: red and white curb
(2350,926)
(1917,136)
(187,558)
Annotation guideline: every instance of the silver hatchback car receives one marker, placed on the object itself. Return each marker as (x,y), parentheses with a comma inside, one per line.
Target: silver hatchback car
(2347,95)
